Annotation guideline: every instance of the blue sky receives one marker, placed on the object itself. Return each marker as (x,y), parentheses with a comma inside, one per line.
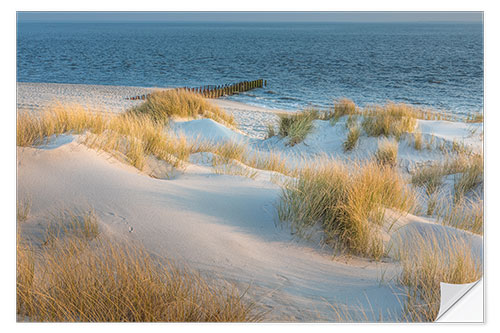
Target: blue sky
(250,16)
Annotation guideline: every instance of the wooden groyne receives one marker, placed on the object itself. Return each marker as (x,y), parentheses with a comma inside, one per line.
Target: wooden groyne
(216,91)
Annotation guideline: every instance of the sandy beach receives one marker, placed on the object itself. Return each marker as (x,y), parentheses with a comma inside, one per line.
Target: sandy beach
(252,120)
(226,225)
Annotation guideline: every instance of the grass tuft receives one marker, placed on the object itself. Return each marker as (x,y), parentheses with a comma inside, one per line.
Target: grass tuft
(72,224)
(33,129)
(390,120)
(476,118)
(162,105)
(417,137)
(352,138)
(101,280)
(430,177)
(347,201)
(297,126)
(344,107)
(470,178)
(23,210)
(466,214)
(430,264)
(387,152)
(270,131)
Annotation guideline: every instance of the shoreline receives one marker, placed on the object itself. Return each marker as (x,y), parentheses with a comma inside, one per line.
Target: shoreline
(40,94)
(33,96)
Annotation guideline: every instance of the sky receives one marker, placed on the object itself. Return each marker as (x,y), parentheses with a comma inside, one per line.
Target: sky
(473,17)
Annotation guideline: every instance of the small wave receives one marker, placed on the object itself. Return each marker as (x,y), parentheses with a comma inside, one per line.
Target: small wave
(287,98)
(270,92)
(434,81)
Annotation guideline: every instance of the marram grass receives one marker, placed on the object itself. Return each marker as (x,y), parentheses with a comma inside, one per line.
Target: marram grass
(347,201)
(165,104)
(74,278)
(425,266)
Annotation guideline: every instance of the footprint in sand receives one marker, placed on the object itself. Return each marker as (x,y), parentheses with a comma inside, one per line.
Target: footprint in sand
(120,220)
(283,278)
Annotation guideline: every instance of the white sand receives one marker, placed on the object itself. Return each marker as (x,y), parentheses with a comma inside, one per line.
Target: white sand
(219,224)
(35,96)
(222,225)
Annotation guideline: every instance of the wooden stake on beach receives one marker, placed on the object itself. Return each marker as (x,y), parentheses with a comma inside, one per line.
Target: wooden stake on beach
(215,91)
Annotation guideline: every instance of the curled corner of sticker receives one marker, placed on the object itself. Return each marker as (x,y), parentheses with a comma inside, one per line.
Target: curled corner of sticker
(461,303)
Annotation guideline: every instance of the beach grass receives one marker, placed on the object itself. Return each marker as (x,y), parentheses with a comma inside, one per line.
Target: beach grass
(466,214)
(352,137)
(427,265)
(164,104)
(348,201)
(430,177)
(271,131)
(270,161)
(296,126)
(222,167)
(417,140)
(132,137)
(389,120)
(79,279)
(33,129)
(387,152)
(71,224)
(470,178)
(475,118)
(23,209)
(344,107)
(465,209)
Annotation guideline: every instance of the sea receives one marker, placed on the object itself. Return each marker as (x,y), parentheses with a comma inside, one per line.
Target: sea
(431,65)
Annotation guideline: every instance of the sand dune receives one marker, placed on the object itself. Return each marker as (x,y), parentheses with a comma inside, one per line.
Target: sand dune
(222,225)
(219,224)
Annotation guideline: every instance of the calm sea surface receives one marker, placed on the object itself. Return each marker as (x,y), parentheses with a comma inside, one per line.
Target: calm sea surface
(305,64)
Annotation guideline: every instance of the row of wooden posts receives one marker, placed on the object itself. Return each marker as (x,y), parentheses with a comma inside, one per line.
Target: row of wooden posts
(218,91)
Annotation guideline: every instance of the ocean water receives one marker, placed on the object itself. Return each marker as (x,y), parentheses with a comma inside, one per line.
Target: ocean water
(305,64)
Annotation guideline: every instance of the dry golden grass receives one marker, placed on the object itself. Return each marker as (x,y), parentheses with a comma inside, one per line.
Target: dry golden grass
(237,159)
(135,146)
(387,152)
(476,118)
(233,168)
(344,107)
(348,201)
(132,137)
(80,279)
(470,165)
(270,131)
(466,214)
(471,176)
(23,210)
(390,120)
(352,137)
(128,136)
(462,212)
(229,150)
(425,268)
(351,121)
(433,200)
(33,129)
(72,223)
(162,105)
(270,161)
(430,177)
(297,126)
(417,140)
